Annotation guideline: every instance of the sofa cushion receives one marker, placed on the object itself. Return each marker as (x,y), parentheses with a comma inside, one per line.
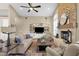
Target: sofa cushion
(72,50)
(51,52)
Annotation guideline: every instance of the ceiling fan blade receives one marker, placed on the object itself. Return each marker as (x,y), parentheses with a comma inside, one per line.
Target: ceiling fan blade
(29,4)
(37,6)
(24,6)
(29,10)
(35,10)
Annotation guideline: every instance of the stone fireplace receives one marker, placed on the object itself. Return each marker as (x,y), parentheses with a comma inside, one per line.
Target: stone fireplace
(67,36)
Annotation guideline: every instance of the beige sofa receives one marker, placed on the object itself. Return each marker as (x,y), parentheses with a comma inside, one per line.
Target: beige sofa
(59,47)
(23,47)
(63,49)
(71,50)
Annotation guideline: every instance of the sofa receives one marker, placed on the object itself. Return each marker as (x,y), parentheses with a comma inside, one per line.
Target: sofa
(71,50)
(63,49)
(58,46)
(22,48)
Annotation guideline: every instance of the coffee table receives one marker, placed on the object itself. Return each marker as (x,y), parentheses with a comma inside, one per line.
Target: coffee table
(41,46)
(34,49)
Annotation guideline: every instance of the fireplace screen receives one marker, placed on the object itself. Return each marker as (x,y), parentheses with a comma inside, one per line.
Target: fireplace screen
(67,36)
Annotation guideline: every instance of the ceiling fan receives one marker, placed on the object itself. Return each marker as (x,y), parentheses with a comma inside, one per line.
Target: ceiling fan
(31,7)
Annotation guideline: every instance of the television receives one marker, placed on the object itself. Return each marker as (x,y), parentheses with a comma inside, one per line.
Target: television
(39,29)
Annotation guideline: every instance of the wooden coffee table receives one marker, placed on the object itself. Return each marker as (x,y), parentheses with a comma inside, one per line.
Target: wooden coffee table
(34,49)
(41,46)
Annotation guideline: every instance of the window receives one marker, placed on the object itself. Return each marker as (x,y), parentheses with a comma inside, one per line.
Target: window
(55,24)
(4,22)
(3,36)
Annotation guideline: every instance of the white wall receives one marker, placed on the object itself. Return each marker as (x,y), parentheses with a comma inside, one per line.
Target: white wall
(3,10)
(77,22)
(12,15)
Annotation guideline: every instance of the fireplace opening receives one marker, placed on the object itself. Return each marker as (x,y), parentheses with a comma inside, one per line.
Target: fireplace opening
(67,36)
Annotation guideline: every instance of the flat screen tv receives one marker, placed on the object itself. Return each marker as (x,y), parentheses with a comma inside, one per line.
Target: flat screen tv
(39,29)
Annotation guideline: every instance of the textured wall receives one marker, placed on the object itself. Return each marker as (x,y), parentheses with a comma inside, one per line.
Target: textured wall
(72,18)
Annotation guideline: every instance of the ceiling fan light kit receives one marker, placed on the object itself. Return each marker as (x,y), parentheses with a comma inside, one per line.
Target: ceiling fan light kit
(31,8)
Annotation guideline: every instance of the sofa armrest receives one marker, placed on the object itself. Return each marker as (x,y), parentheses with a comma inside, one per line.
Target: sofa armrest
(22,47)
(51,52)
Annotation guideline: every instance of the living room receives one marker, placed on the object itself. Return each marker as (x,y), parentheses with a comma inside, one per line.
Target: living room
(38,29)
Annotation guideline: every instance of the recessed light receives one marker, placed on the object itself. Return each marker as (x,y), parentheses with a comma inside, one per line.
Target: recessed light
(20,8)
(48,8)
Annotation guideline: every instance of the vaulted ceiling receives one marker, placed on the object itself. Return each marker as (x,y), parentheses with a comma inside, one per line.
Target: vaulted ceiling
(47,9)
